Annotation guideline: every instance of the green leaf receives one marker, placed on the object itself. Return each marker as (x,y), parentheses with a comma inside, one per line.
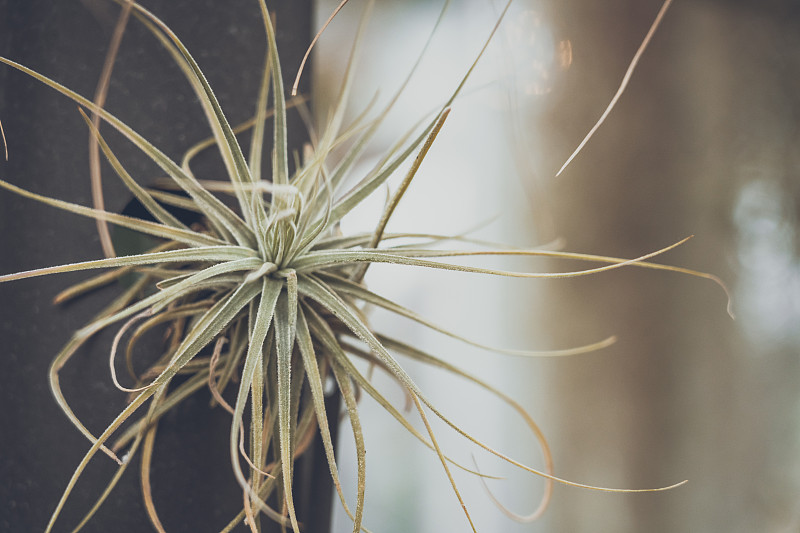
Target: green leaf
(316,260)
(204,254)
(192,238)
(306,346)
(346,388)
(269,289)
(280,157)
(285,328)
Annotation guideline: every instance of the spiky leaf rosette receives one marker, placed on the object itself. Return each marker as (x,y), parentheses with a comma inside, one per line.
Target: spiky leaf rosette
(268,293)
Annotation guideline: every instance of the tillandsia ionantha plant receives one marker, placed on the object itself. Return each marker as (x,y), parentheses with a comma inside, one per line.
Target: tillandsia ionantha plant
(265,295)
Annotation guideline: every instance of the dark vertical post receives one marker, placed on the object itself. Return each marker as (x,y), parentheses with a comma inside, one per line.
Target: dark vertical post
(193,486)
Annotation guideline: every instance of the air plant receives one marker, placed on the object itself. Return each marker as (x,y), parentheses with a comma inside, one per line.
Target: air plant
(267,292)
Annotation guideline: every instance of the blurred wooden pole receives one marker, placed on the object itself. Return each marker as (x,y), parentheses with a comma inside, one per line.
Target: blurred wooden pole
(681,395)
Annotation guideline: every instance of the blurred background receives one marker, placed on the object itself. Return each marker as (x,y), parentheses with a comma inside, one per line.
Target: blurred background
(704,142)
